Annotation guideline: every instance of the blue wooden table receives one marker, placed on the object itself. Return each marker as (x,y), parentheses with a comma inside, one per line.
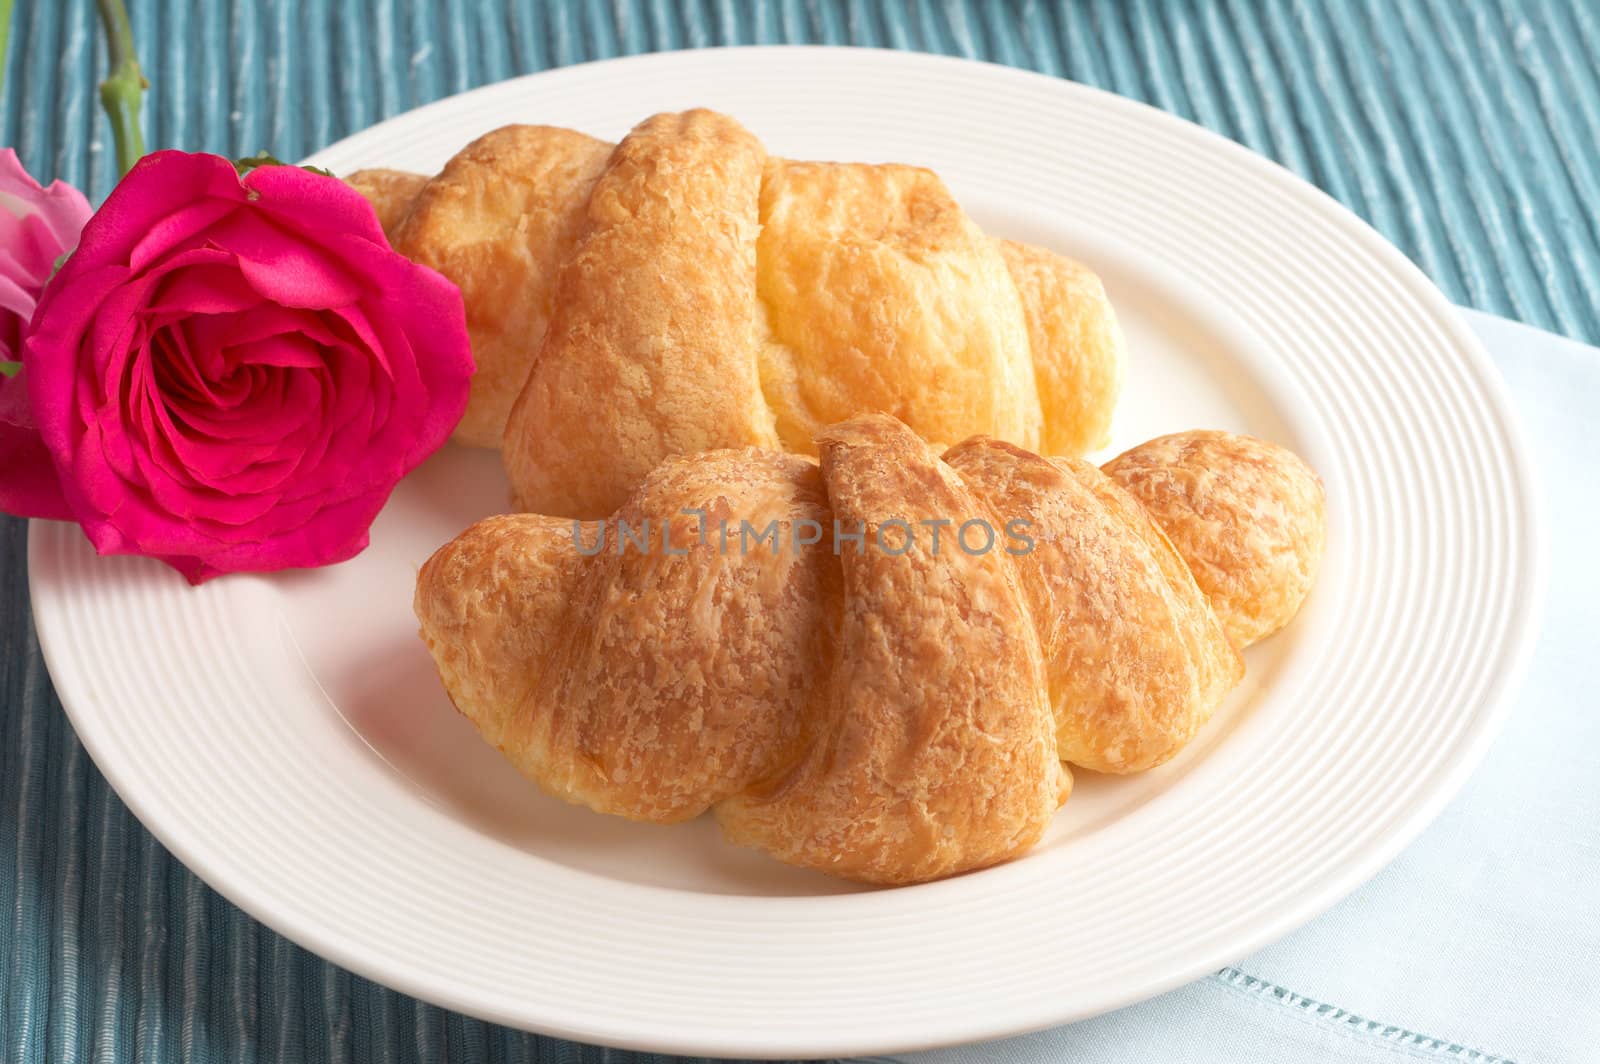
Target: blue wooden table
(1466,132)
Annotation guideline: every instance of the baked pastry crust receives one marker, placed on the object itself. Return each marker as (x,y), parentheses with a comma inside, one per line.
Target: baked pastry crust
(883,714)
(503,208)
(930,741)
(652,347)
(1135,658)
(391,193)
(685,290)
(1249,519)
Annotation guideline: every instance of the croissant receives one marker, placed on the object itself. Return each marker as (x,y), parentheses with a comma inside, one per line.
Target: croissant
(845,691)
(683,291)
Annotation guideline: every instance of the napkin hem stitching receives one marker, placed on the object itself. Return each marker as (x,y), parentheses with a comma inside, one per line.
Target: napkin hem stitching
(1324,1014)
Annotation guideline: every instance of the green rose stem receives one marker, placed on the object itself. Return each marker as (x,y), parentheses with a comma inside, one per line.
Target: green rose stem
(121,90)
(120,94)
(5,37)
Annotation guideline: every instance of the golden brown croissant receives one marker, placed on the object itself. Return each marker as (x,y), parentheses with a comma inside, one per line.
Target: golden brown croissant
(873,666)
(684,291)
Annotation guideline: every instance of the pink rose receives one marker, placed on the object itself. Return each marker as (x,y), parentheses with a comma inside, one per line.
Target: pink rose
(36,226)
(233,374)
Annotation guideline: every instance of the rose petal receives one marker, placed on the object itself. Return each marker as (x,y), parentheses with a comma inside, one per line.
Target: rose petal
(258,446)
(312,205)
(50,359)
(111,340)
(335,534)
(269,319)
(159,184)
(282,266)
(203,281)
(179,229)
(429,313)
(102,406)
(95,485)
(202,456)
(207,339)
(16,296)
(30,486)
(283,349)
(179,376)
(62,208)
(28,249)
(17,307)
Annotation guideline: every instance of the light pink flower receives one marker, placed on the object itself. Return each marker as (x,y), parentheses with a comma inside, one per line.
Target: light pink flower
(233,374)
(36,226)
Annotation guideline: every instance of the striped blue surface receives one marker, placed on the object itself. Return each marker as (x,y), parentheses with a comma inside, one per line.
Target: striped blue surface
(1466,132)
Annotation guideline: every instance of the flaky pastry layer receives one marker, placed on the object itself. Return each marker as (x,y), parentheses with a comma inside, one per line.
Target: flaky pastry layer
(684,290)
(844,695)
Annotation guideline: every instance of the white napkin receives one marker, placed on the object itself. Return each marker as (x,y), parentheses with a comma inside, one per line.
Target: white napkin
(1481,942)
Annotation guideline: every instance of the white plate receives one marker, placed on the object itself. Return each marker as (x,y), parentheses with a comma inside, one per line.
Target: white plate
(287,739)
